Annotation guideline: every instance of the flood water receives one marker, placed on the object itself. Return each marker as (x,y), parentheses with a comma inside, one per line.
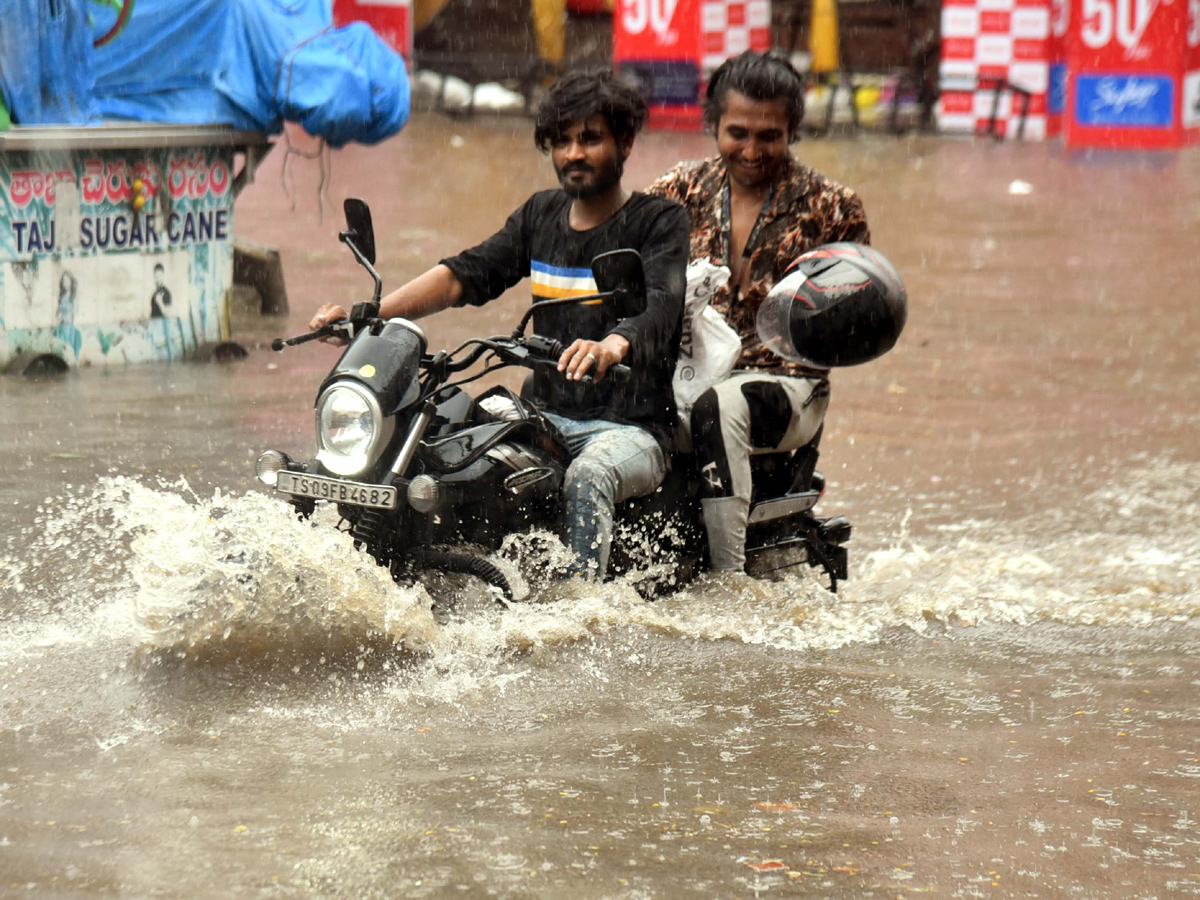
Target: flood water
(203,698)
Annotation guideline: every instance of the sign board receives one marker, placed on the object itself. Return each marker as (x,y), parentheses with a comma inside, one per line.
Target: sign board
(1056,97)
(1129,63)
(671,47)
(1190,92)
(392,20)
(115,256)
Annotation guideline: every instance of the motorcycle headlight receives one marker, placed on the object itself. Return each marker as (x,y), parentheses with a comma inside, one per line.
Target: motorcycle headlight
(350,428)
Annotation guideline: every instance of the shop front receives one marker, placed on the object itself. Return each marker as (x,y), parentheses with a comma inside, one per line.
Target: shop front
(117,241)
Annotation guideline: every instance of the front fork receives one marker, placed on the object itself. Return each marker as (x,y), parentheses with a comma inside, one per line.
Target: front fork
(370,527)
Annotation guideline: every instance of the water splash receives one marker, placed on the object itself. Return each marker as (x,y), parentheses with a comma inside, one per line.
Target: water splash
(197,579)
(177,576)
(1127,554)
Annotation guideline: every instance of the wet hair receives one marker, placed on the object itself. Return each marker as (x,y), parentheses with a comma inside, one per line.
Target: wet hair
(578,96)
(758,76)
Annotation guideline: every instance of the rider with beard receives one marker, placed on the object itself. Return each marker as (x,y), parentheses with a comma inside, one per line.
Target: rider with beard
(617,434)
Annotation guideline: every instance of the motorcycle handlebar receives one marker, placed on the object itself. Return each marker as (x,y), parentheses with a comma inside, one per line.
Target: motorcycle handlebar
(535,351)
(550,350)
(620,372)
(540,351)
(279,343)
(531,352)
(467,361)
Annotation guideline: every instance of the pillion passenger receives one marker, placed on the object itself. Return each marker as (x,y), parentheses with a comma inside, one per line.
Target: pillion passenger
(617,434)
(754,208)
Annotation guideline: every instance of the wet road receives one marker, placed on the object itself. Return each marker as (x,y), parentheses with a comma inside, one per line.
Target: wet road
(202,698)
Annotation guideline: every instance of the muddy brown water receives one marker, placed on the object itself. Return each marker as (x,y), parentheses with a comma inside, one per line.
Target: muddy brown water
(201,698)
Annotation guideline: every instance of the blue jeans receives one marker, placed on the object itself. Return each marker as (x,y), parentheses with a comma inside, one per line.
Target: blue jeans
(610,463)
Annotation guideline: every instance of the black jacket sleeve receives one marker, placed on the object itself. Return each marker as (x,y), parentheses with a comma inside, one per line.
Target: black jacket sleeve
(654,335)
(489,269)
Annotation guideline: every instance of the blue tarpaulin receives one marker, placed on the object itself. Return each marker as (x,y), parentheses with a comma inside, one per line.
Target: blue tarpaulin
(251,64)
(342,84)
(46,62)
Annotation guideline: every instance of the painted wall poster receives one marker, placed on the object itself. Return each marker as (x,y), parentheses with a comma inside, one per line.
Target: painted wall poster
(114,256)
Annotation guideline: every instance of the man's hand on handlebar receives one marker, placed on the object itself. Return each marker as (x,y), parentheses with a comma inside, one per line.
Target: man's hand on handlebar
(327,315)
(592,357)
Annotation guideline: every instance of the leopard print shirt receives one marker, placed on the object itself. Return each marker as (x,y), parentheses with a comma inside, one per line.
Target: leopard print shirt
(806,210)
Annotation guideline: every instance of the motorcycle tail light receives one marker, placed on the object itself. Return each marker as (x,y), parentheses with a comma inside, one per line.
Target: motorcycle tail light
(269,465)
(424,492)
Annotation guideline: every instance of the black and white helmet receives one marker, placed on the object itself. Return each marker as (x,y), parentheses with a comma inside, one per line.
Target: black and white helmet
(838,305)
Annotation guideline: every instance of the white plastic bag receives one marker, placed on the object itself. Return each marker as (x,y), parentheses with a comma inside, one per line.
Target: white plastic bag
(709,346)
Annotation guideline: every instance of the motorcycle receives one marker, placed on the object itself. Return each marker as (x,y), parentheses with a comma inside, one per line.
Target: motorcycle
(426,476)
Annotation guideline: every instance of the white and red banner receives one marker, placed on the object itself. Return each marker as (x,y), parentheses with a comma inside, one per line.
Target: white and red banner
(1190,113)
(672,47)
(1133,73)
(990,41)
(1060,23)
(730,27)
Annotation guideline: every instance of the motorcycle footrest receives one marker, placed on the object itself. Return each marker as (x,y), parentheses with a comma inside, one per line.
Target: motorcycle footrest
(835,530)
(782,507)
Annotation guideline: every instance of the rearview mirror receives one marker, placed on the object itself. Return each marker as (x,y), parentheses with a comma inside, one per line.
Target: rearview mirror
(358,224)
(620,273)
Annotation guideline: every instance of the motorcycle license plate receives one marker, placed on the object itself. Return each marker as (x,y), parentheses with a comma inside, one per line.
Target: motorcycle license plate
(377,496)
